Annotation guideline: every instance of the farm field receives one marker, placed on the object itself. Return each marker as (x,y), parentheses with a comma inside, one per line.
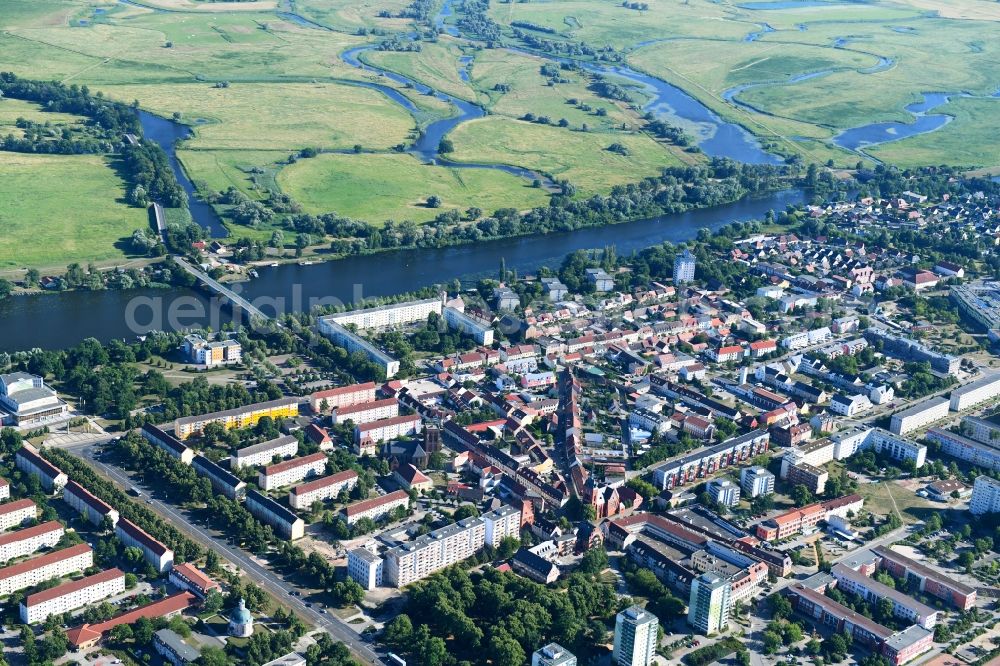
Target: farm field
(60,209)
(396,187)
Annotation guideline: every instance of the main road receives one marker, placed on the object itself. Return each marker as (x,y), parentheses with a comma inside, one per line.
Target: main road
(263,576)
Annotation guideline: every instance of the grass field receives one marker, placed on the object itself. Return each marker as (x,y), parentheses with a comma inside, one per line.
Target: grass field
(396,187)
(56,210)
(887,497)
(277,116)
(581,157)
(436,65)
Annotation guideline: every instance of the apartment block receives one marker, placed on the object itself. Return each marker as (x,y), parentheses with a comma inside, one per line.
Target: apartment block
(72,595)
(29,539)
(724,492)
(367,412)
(365,568)
(4,489)
(292,471)
(985,496)
(188,577)
(981,430)
(813,478)
(708,606)
(283,520)
(552,654)
(222,480)
(756,481)
(167,442)
(241,417)
(386,429)
(375,508)
(976,393)
(92,508)
(480,331)
(17,513)
(342,396)
(706,461)
(30,461)
(353,342)
(303,496)
(975,452)
(936,584)
(264,452)
(155,553)
(55,564)
(443,547)
(635,637)
(871,590)
(921,414)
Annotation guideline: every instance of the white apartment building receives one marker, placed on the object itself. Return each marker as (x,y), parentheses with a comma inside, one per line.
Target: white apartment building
(387,316)
(981,430)
(684,267)
(724,492)
(976,452)
(88,505)
(264,452)
(553,654)
(29,461)
(303,496)
(4,489)
(850,405)
(211,354)
(15,514)
(365,568)
(368,434)
(367,412)
(155,553)
(377,507)
(168,443)
(985,496)
(45,567)
(975,393)
(72,595)
(282,519)
(291,471)
(443,547)
(480,331)
(708,606)
(921,414)
(756,481)
(635,637)
(342,396)
(28,540)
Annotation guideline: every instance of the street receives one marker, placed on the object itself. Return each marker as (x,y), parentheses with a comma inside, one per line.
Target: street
(267,579)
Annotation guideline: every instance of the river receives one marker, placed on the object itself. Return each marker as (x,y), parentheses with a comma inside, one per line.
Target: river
(59,320)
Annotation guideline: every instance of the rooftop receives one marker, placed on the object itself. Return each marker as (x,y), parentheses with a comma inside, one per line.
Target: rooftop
(43,560)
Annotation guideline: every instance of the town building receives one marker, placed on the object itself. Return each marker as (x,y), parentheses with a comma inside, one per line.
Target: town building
(92,508)
(287,472)
(241,417)
(985,496)
(282,519)
(17,513)
(978,453)
(87,636)
(850,405)
(411,478)
(919,415)
(26,402)
(928,580)
(188,577)
(30,461)
(168,443)
(907,349)
(366,412)
(4,489)
(353,342)
(169,645)
(263,453)
(552,654)
(708,606)
(155,553)
(530,564)
(756,481)
(376,508)
(976,393)
(365,568)
(303,496)
(29,539)
(443,547)
(222,480)
(635,637)
(342,396)
(703,462)
(724,492)
(684,267)
(790,523)
(480,331)
(54,564)
(69,596)
(213,353)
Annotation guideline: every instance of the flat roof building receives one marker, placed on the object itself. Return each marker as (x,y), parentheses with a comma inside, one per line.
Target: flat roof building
(921,414)
(552,654)
(240,417)
(930,581)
